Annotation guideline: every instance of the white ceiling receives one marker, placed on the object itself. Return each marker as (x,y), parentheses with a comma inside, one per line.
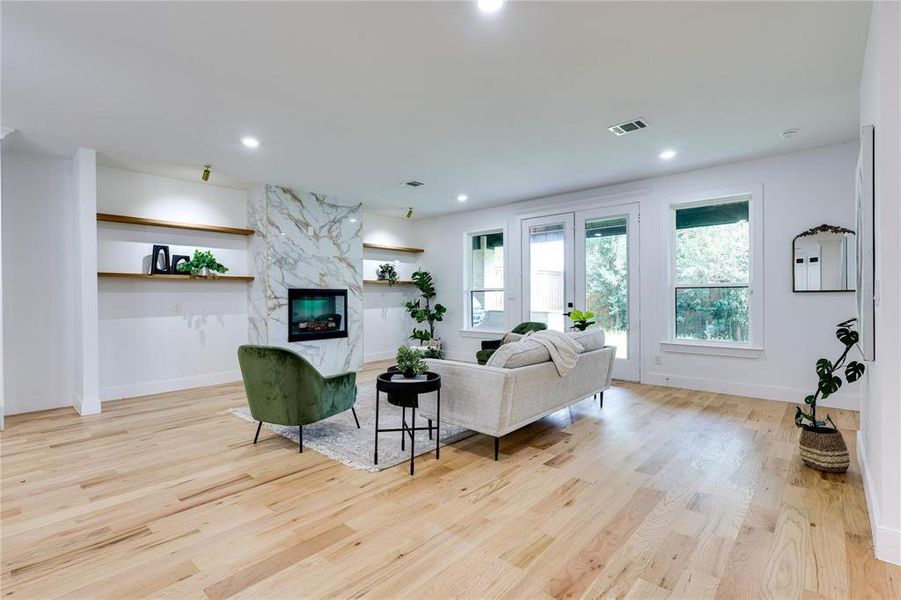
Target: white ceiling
(353,99)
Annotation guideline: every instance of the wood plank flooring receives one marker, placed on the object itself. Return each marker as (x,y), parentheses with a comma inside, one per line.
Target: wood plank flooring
(662,493)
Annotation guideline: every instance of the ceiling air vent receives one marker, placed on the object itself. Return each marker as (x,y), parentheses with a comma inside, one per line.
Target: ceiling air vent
(628,127)
(414,183)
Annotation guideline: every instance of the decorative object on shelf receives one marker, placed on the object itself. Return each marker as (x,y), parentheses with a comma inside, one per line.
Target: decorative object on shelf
(822,447)
(178,259)
(421,310)
(203,264)
(582,320)
(386,272)
(409,362)
(824,259)
(159,260)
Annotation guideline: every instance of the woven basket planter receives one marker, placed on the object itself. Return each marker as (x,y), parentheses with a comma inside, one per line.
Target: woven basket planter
(824,449)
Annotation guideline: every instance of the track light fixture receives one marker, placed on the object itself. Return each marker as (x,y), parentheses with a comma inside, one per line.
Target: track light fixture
(206,173)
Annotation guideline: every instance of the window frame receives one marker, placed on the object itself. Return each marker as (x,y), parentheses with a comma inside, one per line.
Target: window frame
(754,346)
(467,279)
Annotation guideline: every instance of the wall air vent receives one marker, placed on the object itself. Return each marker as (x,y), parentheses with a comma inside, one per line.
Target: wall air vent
(628,127)
(414,183)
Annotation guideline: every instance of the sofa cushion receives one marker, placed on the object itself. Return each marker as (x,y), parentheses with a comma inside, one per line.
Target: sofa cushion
(590,339)
(518,354)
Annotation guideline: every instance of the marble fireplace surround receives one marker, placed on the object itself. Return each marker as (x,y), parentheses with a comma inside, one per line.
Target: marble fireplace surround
(305,240)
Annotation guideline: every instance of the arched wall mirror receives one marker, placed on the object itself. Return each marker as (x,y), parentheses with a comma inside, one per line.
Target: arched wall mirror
(824,260)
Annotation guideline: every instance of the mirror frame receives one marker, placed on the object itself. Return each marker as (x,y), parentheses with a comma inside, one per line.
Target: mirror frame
(824,228)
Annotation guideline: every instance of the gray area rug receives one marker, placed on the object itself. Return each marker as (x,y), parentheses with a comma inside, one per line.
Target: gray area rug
(338,437)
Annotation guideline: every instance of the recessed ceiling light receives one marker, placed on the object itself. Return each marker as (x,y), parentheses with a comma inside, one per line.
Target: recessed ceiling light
(352,220)
(490,6)
(462,198)
(250,142)
(667,154)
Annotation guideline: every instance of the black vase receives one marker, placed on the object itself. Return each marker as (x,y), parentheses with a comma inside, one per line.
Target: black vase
(159,260)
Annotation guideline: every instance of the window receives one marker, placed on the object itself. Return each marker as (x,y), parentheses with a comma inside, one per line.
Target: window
(712,275)
(485,295)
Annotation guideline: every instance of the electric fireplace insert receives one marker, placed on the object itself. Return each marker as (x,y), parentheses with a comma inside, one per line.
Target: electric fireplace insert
(315,314)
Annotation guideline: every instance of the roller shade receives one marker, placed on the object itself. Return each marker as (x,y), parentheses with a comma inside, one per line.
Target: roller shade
(714,214)
(492,241)
(605,227)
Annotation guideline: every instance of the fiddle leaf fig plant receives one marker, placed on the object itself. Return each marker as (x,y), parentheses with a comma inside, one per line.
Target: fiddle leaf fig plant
(200,260)
(829,383)
(582,320)
(422,310)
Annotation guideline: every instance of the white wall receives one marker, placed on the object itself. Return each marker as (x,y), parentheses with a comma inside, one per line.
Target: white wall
(39,283)
(87,352)
(880,447)
(157,336)
(386,325)
(800,190)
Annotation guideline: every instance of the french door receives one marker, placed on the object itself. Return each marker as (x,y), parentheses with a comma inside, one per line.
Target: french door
(587,260)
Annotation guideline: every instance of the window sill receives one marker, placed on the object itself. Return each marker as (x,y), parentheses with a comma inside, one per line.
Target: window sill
(712,349)
(482,333)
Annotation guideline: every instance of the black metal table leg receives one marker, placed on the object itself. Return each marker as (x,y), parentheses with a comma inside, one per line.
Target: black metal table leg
(375,456)
(403,426)
(412,440)
(438,427)
(430,429)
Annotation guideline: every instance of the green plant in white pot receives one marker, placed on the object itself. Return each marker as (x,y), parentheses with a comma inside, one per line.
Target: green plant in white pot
(409,362)
(203,264)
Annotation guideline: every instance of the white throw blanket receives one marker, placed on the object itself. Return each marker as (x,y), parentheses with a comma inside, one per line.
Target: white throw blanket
(563,349)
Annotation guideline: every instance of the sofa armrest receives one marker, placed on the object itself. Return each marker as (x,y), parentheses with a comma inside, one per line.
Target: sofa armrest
(472,396)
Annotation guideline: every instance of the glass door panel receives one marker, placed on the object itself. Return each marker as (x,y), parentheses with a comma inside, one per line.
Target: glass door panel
(547,269)
(606,271)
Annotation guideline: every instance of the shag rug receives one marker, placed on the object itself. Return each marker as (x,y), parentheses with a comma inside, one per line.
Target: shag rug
(338,437)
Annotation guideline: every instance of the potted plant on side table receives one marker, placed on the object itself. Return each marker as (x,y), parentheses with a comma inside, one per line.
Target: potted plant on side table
(821,445)
(409,362)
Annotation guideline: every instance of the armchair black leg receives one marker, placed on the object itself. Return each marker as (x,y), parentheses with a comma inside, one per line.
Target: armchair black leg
(258,432)
(497,447)
(354,411)
(300,438)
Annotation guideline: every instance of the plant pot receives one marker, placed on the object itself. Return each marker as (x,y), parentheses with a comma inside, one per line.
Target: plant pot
(410,374)
(824,449)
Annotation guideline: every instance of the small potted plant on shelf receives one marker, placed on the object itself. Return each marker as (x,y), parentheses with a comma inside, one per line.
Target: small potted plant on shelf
(409,362)
(203,264)
(821,445)
(386,272)
(582,320)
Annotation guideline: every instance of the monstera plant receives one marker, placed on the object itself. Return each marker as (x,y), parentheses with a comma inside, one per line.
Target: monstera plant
(822,445)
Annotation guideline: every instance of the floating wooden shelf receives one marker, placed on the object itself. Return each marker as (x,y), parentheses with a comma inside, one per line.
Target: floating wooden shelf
(166,277)
(172,224)
(392,248)
(383,282)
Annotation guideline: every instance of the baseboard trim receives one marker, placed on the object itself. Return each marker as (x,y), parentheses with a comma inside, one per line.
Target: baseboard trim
(886,541)
(167,385)
(768,392)
(377,356)
(86,407)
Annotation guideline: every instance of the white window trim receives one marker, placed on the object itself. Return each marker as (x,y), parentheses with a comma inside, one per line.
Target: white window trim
(466,330)
(755,344)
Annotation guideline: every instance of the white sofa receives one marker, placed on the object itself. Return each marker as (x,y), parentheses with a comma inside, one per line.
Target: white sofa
(496,401)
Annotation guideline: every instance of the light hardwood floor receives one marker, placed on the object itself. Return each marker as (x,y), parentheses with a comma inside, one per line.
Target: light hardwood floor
(662,493)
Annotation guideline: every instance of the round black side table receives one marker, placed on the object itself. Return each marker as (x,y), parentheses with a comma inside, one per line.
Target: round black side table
(405,393)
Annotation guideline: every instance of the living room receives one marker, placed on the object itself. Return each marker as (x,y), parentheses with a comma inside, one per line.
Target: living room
(450,299)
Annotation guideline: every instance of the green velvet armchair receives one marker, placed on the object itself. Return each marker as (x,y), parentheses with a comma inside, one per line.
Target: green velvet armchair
(489,346)
(283,388)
